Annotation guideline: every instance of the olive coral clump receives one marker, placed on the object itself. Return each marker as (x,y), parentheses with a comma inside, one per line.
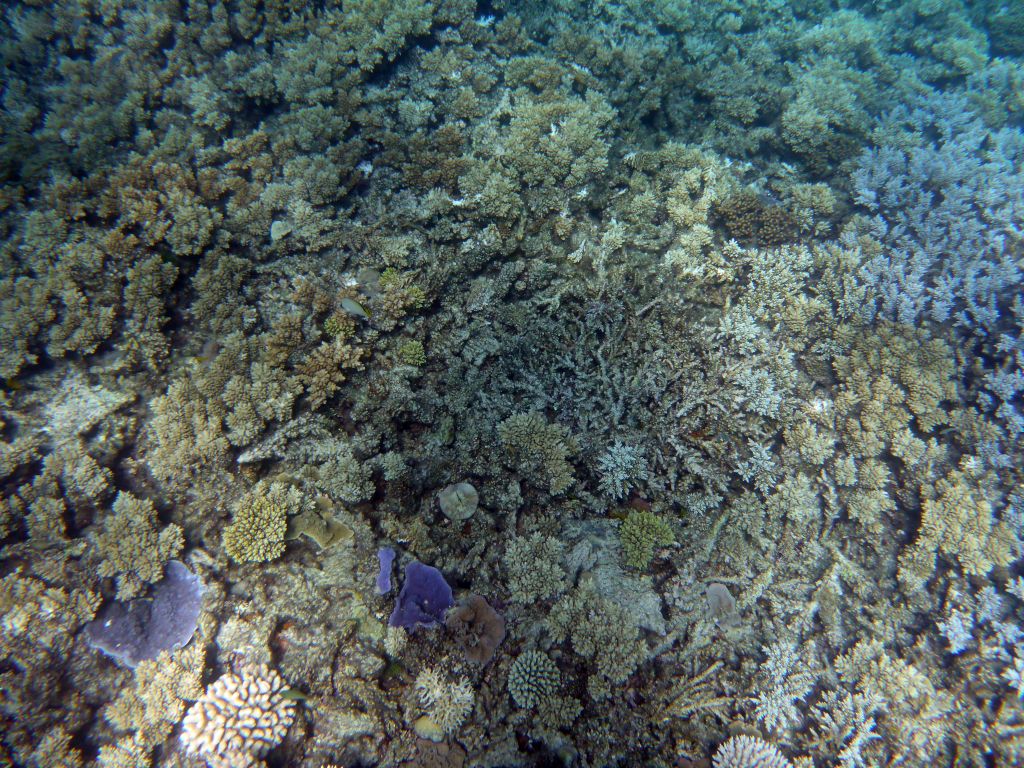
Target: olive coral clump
(539,448)
(533,567)
(258,530)
(642,532)
(239,719)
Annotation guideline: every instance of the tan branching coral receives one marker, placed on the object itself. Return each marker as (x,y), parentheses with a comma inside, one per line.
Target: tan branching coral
(153,706)
(186,431)
(133,546)
(323,372)
(257,532)
(958,521)
(240,718)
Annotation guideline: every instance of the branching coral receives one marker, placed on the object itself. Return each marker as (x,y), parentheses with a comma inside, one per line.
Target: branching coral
(447,703)
(132,546)
(239,718)
(642,532)
(539,449)
(257,532)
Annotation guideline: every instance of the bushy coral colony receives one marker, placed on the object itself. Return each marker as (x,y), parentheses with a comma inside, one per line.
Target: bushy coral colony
(451,383)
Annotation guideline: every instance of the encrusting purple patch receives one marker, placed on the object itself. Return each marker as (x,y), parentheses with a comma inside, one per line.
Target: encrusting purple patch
(424,599)
(140,629)
(386,555)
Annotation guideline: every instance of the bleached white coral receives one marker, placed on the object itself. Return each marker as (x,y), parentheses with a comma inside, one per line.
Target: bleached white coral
(622,468)
(447,704)
(789,683)
(749,752)
(958,630)
(1014,674)
(239,719)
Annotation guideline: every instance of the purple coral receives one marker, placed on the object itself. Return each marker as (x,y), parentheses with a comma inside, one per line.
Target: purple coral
(140,629)
(386,556)
(424,599)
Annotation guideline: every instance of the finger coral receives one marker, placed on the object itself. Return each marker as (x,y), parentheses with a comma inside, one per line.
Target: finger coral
(240,718)
(749,752)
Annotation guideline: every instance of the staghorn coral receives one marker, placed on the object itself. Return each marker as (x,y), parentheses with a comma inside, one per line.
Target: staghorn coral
(622,468)
(447,704)
(323,371)
(958,521)
(186,431)
(240,717)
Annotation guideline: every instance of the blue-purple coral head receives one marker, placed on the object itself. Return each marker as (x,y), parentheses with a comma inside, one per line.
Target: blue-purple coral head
(141,628)
(424,599)
(386,556)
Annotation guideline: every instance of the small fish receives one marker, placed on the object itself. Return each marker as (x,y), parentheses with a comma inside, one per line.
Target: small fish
(293,694)
(354,308)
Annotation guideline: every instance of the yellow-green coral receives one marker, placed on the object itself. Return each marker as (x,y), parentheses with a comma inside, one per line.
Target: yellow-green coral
(257,533)
(642,532)
(412,353)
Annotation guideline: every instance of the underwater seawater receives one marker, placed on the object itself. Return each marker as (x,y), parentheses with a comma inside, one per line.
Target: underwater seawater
(489,384)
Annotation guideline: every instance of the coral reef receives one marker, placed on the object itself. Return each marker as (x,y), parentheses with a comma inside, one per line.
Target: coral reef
(257,531)
(689,334)
(147,626)
(532,678)
(749,752)
(642,532)
(447,704)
